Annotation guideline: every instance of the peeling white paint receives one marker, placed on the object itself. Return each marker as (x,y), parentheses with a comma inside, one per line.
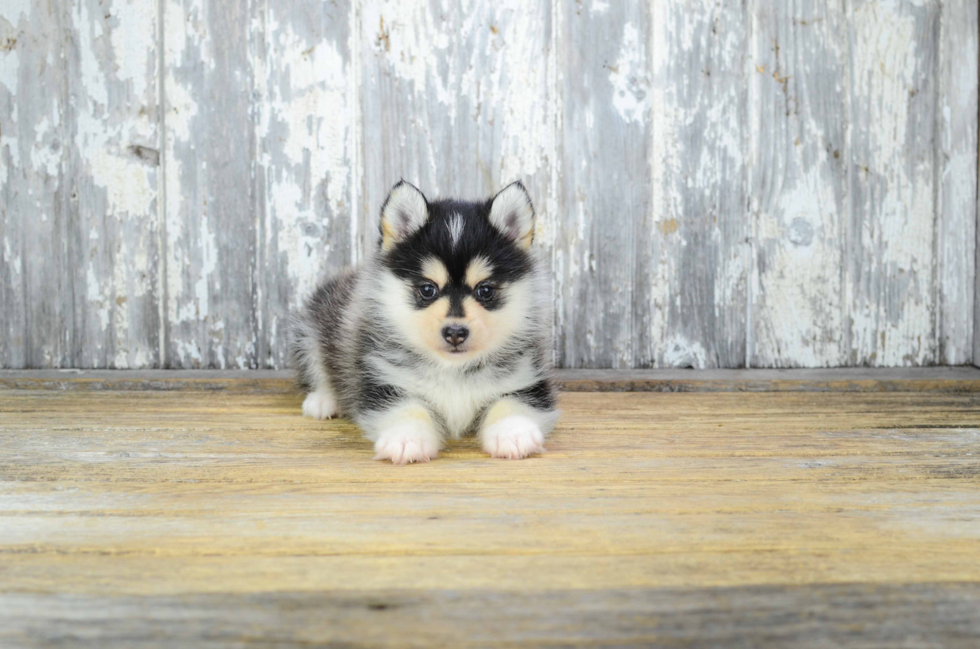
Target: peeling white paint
(309,148)
(682,353)
(9,69)
(181,109)
(14,10)
(12,261)
(957,232)
(189,350)
(696,276)
(46,152)
(117,189)
(886,329)
(799,289)
(8,149)
(134,53)
(630,77)
(130,186)
(795,200)
(414,41)
(209,261)
(191,250)
(95,296)
(517,79)
(90,31)
(180,27)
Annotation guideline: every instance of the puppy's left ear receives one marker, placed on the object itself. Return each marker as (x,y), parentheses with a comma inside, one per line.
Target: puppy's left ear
(404,211)
(511,212)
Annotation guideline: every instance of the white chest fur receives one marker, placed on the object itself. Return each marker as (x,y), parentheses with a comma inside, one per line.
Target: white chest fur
(456,397)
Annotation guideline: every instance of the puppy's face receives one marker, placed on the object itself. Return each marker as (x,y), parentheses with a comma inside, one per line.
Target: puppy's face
(456,281)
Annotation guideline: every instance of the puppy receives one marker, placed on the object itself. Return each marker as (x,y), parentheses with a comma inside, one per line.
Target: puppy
(446,331)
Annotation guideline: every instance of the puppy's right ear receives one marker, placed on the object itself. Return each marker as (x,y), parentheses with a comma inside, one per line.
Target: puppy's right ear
(404,211)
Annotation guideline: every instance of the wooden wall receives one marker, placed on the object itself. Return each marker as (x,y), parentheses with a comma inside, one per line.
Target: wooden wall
(721,183)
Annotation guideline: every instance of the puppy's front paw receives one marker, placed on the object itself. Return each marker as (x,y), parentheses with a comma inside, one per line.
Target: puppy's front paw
(513,438)
(412,441)
(320,405)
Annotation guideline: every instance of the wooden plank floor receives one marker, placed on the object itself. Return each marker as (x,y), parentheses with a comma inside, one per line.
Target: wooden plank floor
(197,518)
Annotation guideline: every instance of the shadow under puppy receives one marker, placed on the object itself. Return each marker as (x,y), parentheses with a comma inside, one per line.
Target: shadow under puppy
(444,332)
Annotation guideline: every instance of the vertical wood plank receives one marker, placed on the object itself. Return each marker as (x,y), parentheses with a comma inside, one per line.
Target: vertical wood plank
(211,209)
(892,289)
(455,99)
(958,115)
(798,183)
(693,265)
(36,277)
(302,64)
(112,172)
(605,85)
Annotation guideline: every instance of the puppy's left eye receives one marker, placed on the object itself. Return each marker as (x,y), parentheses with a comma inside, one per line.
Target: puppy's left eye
(485,292)
(427,291)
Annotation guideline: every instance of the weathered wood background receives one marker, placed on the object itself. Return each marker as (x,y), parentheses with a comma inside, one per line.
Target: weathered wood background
(721,183)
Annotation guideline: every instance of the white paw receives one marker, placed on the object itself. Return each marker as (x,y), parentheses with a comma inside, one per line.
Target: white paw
(412,441)
(320,405)
(513,438)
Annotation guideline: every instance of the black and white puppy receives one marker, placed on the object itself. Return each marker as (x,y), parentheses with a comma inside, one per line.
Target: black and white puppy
(444,332)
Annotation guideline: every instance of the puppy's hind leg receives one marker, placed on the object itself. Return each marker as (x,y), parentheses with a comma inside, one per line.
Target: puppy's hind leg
(307,358)
(321,403)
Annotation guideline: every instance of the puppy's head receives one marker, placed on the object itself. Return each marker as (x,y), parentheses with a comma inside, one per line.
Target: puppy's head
(456,280)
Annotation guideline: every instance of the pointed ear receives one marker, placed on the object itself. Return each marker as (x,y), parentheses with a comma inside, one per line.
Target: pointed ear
(404,211)
(511,212)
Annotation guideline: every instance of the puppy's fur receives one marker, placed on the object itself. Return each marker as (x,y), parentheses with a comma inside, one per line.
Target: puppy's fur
(444,332)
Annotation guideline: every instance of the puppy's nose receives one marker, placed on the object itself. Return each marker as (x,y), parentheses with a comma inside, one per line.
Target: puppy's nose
(455,334)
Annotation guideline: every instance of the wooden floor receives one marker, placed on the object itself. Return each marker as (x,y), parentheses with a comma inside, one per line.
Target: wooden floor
(198,518)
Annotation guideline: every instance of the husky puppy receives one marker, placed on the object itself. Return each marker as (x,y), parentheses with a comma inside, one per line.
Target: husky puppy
(444,332)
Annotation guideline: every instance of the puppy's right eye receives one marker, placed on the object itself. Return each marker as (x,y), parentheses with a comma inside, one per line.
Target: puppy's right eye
(427,291)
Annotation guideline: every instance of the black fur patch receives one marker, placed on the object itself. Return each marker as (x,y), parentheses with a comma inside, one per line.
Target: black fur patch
(540,396)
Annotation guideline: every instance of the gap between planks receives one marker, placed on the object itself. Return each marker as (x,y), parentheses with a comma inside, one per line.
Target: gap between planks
(917,379)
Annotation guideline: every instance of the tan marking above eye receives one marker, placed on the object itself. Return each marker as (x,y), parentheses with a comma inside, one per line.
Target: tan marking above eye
(478,270)
(435,270)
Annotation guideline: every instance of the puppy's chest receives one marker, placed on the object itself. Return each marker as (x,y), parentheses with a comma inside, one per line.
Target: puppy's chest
(459,398)
(457,403)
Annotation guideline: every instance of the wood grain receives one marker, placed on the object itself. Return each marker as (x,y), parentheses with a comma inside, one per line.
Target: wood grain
(917,615)
(305,89)
(113,173)
(798,195)
(605,90)
(35,233)
(976,292)
(891,235)
(200,517)
(79,179)
(211,204)
(692,262)
(959,51)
